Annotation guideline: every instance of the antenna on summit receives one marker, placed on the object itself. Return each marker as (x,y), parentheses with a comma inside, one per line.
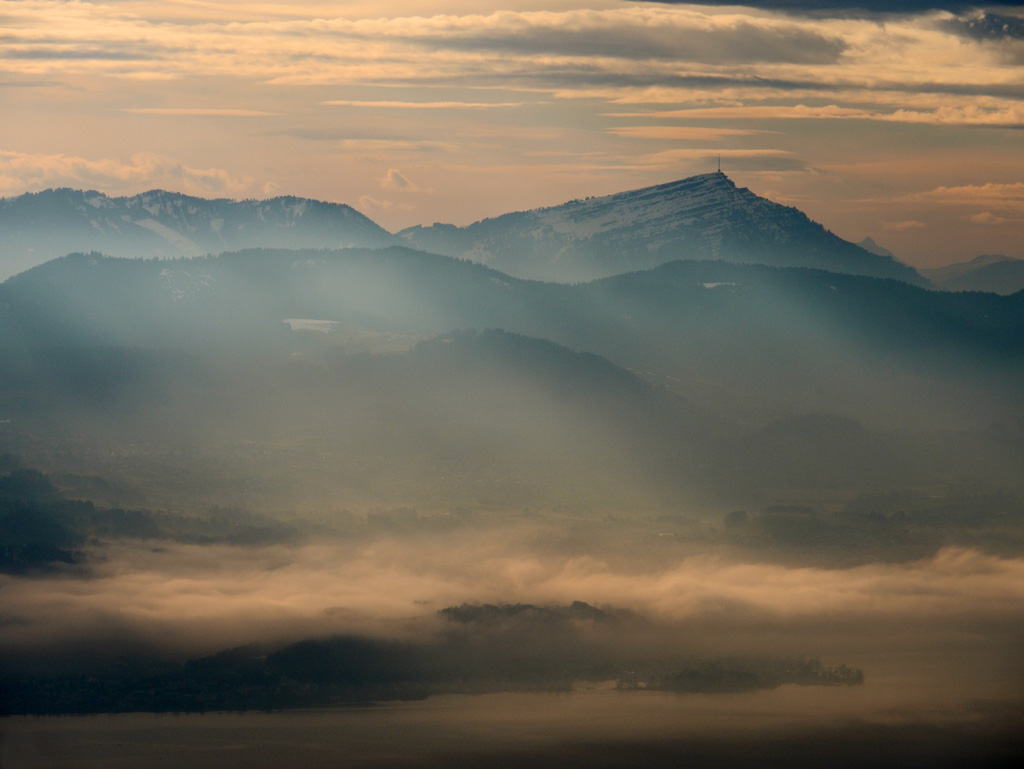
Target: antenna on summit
(719,164)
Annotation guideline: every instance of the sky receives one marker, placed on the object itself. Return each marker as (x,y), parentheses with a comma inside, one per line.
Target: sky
(900,121)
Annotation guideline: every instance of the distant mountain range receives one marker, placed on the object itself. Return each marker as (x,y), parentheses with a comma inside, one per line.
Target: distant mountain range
(37,227)
(639,387)
(752,339)
(704,217)
(989,272)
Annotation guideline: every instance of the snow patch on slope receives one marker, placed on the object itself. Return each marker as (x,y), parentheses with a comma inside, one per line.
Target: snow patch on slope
(182,243)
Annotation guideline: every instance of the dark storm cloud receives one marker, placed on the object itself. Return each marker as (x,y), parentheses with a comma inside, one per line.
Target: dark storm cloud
(849,7)
(988,27)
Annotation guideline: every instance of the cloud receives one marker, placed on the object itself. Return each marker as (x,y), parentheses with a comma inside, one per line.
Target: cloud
(850,7)
(367,140)
(395,180)
(649,35)
(904,226)
(473,47)
(755,112)
(974,194)
(198,112)
(937,112)
(422,104)
(1003,34)
(1008,116)
(571,51)
(988,27)
(24,171)
(681,133)
(987,218)
(390,146)
(208,597)
(29,84)
(73,53)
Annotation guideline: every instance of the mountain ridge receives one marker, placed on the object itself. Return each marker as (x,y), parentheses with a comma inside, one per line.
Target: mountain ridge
(697,218)
(700,217)
(994,273)
(39,226)
(709,330)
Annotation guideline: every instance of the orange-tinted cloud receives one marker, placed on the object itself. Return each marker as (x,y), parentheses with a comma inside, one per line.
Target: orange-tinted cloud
(213,596)
(986,217)
(20,171)
(908,224)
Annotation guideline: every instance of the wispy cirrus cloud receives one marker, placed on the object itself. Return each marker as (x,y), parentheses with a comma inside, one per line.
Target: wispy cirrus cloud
(754,112)
(198,112)
(621,47)
(421,104)
(500,46)
(679,133)
(933,112)
(907,225)
(975,194)
(398,146)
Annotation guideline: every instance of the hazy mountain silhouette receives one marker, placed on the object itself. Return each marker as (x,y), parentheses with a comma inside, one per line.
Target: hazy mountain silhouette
(37,227)
(460,414)
(759,341)
(989,272)
(703,217)
(869,244)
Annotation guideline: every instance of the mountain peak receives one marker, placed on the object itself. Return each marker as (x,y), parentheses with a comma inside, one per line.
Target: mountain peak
(700,217)
(986,259)
(869,244)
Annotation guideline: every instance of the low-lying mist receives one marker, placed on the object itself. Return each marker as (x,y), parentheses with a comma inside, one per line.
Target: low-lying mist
(950,623)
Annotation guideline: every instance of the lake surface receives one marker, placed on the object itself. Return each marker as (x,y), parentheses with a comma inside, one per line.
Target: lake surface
(597,726)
